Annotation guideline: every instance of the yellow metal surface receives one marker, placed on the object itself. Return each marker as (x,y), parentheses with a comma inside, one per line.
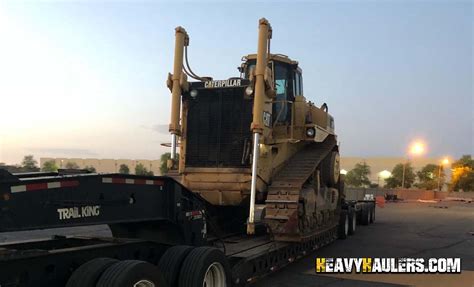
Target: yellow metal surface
(259,97)
(274,57)
(221,186)
(176,78)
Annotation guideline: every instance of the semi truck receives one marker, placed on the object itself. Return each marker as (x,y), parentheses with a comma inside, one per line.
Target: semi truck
(255,186)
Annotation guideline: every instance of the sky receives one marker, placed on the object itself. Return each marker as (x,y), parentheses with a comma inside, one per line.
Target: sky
(87,79)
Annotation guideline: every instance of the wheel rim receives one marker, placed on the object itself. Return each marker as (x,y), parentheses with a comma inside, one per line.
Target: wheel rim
(144,283)
(346,226)
(215,276)
(354,222)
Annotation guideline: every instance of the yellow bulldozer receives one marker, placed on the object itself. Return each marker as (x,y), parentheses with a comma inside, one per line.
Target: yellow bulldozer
(254,143)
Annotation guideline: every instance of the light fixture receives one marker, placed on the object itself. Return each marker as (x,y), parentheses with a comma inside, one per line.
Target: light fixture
(384,174)
(249,90)
(193,93)
(310,132)
(417,148)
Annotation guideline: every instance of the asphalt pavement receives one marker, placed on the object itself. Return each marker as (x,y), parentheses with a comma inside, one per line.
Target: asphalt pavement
(401,230)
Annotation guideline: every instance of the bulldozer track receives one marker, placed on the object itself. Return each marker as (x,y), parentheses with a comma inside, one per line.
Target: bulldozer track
(284,192)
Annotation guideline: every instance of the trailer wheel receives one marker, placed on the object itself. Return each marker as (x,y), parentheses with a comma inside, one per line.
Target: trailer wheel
(205,266)
(88,273)
(171,262)
(365,214)
(130,273)
(352,221)
(372,213)
(343,228)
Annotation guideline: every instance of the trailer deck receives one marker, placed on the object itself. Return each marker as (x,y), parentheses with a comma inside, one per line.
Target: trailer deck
(146,215)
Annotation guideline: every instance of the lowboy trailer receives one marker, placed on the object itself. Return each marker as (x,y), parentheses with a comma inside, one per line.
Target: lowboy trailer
(163,234)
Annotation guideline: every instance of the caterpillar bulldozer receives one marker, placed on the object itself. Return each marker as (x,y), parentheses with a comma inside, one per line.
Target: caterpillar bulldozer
(253,144)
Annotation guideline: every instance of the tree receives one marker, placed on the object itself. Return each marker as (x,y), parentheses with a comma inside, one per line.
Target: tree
(140,169)
(359,175)
(395,180)
(49,166)
(29,163)
(463,174)
(429,176)
(164,162)
(90,168)
(72,165)
(124,169)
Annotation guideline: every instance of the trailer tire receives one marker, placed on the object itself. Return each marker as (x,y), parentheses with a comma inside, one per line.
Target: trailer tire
(205,262)
(130,273)
(352,221)
(343,228)
(89,273)
(365,214)
(372,213)
(171,261)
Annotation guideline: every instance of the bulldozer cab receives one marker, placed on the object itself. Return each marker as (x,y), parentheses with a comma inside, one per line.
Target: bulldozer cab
(288,83)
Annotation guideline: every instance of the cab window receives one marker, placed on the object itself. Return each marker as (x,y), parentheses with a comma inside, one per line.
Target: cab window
(301,84)
(298,81)
(281,111)
(297,85)
(285,88)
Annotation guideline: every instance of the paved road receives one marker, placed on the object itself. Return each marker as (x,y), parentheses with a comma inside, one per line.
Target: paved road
(401,230)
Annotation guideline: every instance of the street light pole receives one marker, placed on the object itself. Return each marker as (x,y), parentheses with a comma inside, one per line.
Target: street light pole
(403,174)
(439,177)
(443,162)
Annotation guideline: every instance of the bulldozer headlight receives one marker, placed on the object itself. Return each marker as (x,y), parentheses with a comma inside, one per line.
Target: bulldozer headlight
(193,93)
(249,91)
(310,132)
